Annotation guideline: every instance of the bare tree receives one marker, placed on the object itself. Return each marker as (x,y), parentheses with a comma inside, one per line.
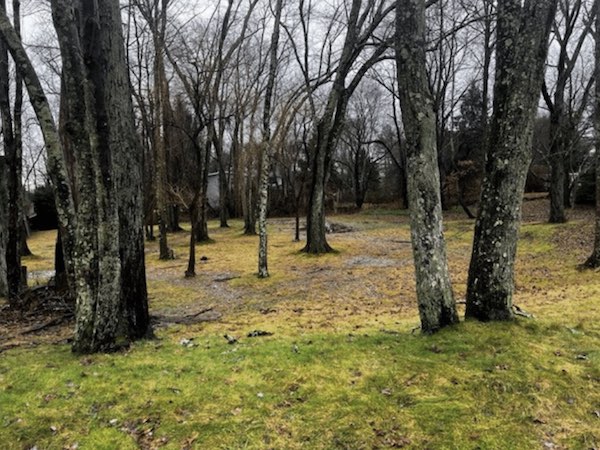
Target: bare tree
(357,154)
(93,69)
(522,44)
(361,25)
(570,35)
(155,14)
(434,290)
(265,163)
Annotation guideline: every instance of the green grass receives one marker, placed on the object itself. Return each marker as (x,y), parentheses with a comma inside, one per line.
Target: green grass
(342,369)
(485,386)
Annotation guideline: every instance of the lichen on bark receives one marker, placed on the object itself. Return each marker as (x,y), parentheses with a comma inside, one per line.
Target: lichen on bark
(437,307)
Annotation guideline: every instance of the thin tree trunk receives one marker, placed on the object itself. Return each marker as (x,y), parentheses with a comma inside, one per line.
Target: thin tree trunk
(223,181)
(3,228)
(266,149)
(55,163)
(61,280)
(202,225)
(437,307)
(12,151)
(521,52)
(191,268)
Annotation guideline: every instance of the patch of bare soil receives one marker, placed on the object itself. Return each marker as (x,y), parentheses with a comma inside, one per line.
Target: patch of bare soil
(372,277)
(45,316)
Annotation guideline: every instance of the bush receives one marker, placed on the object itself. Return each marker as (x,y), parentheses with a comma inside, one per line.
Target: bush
(45,217)
(585,191)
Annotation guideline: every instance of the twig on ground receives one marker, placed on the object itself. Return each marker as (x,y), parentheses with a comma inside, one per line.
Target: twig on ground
(50,323)
(520,312)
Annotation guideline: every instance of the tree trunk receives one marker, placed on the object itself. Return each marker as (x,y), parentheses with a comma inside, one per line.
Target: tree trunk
(263,200)
(557,155)
(248,197)
(594,260)
(316,237)
(434,290)
(173,219)
(3,228)
(12,150)
(521,52)
(223,177)
(191,268)
(55,163)
(97,263)
(202,224)
(160,138)
(263,190)
(61,280)
(127,154)
(557,182)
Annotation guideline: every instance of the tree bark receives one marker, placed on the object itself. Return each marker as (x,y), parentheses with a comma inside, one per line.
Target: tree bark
(55,163)
(266,149)
(557,182)
(191,268)
(202,214)
(522,36)
(434,290)
(3,228)
(97,263)
(112,82)
(11,132)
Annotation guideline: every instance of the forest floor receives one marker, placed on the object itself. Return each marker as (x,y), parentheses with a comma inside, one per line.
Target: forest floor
(343,368)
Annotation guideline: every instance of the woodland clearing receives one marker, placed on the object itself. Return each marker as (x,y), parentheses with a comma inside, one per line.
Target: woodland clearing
(343,367)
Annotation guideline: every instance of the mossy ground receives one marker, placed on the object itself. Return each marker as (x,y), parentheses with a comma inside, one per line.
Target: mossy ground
(342,368)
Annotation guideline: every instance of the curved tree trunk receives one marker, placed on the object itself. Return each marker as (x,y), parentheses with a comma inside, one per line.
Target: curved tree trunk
(55,164)
(521,52)
(437,307)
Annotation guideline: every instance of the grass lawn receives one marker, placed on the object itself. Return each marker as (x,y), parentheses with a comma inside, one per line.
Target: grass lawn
(342,369)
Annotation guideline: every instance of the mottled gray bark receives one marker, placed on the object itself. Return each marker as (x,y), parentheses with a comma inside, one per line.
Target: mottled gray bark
(115,121)
(522,44)
(266,149)
(434,290)
(97,263)
(55,163)
(263,201)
